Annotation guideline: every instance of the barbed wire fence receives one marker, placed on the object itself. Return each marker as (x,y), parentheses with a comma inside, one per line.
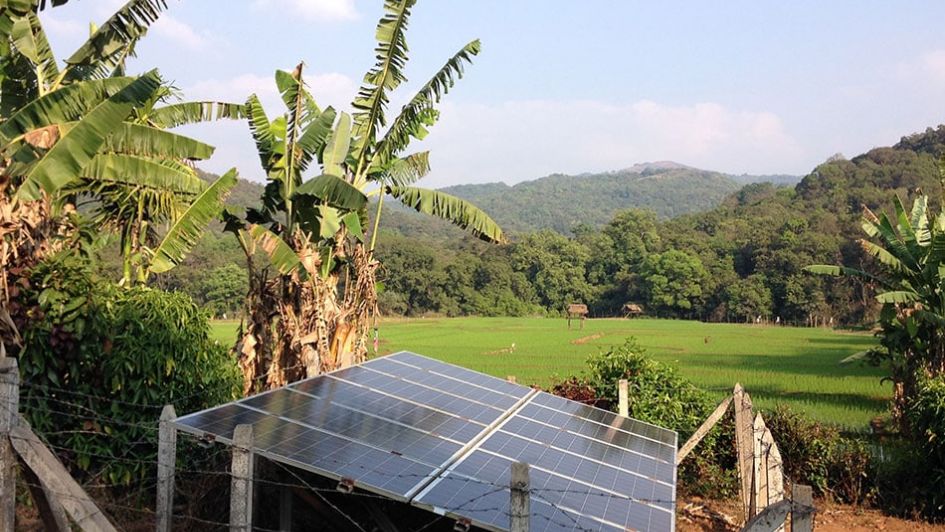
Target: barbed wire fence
(130,504)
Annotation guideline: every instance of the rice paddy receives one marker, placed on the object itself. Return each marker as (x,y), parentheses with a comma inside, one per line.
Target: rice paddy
(796,366)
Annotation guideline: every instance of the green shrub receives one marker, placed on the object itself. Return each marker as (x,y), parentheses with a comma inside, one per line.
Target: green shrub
(99,361)
(818,455)
(904,486)
(658,394)
(927,420)
(912,482)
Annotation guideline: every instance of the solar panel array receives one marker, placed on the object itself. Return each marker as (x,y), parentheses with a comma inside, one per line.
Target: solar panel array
(443,438)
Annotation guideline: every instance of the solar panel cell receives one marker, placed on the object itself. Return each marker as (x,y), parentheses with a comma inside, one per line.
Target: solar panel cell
(444,437)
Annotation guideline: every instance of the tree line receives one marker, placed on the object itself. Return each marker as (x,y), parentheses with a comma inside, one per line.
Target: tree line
(740,261)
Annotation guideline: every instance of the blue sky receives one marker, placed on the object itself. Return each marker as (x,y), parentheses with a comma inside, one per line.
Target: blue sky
(575,86)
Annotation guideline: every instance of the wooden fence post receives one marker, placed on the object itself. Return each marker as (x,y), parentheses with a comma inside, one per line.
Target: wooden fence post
(61,490)
(167,464)
(703,430)
(519,510)
(802,514)
(744,442)
(9,406)
(241,485)
(623,398)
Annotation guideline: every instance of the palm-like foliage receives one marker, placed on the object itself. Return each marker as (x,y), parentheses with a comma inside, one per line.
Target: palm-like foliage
(85,129)
(910,252)
(313,228)
(137,175)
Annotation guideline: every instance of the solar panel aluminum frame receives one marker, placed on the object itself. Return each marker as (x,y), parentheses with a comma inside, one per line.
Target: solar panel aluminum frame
(450,471)
(436,472)
(284,459)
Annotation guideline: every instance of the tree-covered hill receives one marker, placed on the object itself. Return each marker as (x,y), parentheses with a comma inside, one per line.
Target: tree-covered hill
(737,260)
(561,202)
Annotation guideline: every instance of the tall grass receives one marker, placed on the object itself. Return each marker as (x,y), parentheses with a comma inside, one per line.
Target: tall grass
(778,365)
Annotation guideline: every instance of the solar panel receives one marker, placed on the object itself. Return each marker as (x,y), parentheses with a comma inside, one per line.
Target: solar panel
(444,437)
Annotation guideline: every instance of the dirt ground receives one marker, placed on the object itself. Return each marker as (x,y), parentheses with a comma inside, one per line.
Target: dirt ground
(692,515)
(697,515)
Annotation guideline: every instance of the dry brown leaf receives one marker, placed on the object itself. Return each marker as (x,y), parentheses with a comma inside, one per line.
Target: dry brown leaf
(43,138)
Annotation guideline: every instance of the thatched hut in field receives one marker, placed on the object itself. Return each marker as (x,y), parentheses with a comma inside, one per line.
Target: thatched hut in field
(577,310)
(631,310)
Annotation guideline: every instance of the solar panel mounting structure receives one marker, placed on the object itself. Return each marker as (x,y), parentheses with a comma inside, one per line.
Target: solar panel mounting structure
(443,438)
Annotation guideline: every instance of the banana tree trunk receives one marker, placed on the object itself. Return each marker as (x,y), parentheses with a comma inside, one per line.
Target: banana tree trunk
(300,326)
(25,231)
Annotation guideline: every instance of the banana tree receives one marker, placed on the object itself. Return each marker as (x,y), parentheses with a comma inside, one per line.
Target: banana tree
(910,252)
(314,313)
(81,128)
(142,179)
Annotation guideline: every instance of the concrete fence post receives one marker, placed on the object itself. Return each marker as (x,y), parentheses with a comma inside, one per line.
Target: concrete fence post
(623,398)
(167,465)
(802,515)
(241,485)
(519,510)
(9,408)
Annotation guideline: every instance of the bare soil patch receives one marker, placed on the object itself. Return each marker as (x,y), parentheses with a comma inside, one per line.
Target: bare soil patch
(700,515)
(585,339)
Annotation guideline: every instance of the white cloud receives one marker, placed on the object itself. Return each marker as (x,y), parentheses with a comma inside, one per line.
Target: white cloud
(933,65)
(180,33)
(519,140)
(237,89)
(330,88)
(64,28)
(926,69)
(321,10)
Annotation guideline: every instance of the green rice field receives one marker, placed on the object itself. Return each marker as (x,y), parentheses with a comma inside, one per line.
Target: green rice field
(796,366)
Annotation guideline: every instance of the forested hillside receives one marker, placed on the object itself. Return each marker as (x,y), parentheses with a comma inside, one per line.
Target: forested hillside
(737,261)
(561,202)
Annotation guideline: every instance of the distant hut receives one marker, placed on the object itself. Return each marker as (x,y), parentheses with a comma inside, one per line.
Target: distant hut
(577,310)
(632,310)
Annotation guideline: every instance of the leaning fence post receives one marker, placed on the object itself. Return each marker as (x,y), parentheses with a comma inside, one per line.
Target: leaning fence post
(519,512)
(802,511)
(241,485)
(9,406)
(623,398)
(167,464)
(744,443)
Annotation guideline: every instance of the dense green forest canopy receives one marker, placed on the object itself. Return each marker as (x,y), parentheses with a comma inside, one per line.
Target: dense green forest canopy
(561,202)
(738,261)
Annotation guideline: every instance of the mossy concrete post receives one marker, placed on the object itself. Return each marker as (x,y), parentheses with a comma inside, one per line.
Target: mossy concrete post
(744,443)
(802,516)
(9,408)
(519,508)
(167,464)
(623,398)
(241,485)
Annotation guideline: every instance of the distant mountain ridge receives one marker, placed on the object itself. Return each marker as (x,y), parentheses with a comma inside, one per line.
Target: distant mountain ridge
(562,202)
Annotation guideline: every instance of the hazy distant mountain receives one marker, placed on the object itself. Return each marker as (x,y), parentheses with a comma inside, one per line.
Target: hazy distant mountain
(776,179)
(560,202)
(743,179)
